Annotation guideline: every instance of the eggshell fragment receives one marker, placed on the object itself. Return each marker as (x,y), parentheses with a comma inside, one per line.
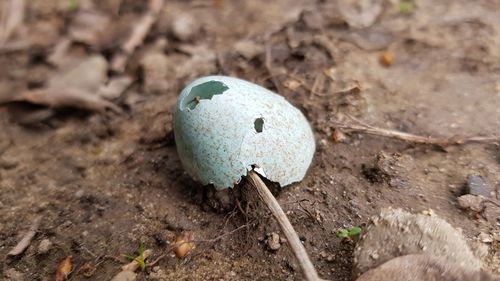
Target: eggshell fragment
(226,126)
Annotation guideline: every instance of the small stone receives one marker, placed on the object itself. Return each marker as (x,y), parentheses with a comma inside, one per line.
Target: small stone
(273,241)
(158,274)
(476,185)
(248,49)
(485,237)
(428,212)
(185,27)
(374,256)
(471,202)
(125,276)
(44,246)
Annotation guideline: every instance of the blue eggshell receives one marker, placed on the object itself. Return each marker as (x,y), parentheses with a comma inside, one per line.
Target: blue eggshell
(226,126)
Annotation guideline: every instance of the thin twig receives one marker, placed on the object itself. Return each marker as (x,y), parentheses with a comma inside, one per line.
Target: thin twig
(287,228)
(139,33)
(13,17)
(361,127)
(26,240)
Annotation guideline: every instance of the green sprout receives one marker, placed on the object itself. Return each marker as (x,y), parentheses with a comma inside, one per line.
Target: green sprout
(140,258)
(406,7)
(349,234)
(72,5)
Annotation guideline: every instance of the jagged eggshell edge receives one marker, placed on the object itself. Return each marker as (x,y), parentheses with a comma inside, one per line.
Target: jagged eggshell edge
(217,139)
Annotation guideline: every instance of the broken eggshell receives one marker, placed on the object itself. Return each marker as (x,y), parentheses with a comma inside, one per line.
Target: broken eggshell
(225,126)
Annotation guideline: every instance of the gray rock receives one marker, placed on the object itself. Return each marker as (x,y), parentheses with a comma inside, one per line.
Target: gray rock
(476,185)
(424,268)
(397,233)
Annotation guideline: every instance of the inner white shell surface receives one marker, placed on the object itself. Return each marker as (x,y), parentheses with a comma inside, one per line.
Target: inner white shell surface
(223,126)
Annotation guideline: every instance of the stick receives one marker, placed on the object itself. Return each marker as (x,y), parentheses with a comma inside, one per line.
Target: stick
(26,241)
(139,33)
(287,228)
(362,127)
(14,17)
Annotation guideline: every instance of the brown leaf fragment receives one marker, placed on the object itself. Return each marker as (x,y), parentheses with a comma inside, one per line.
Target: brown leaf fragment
(115,87)
(87,269)
(74,86)
(88,27)
(26,240)
(61,98)
(64,269)
(11,18)
(88,74)
(139,33)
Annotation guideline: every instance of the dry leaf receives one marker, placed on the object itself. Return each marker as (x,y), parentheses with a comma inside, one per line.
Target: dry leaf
(64,269)
(76,86)
(183,245)
(11,18)
(88,27)
(87,269)
(88,74)
(115,87)
(60,98)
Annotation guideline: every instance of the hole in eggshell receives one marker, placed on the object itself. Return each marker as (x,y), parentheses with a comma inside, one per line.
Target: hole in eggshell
(204,91)
(258,124)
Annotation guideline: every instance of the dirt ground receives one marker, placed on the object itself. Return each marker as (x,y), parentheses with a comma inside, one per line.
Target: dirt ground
(103,180)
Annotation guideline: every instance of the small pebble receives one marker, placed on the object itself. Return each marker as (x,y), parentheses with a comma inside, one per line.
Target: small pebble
(485,237)
(44,246)
(273,241)
(185,27)
(471,202)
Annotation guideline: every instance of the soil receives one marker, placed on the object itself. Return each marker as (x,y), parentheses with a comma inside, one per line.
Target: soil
(103,182)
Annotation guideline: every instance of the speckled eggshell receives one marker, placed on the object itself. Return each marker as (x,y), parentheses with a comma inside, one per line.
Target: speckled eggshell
(224,125)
